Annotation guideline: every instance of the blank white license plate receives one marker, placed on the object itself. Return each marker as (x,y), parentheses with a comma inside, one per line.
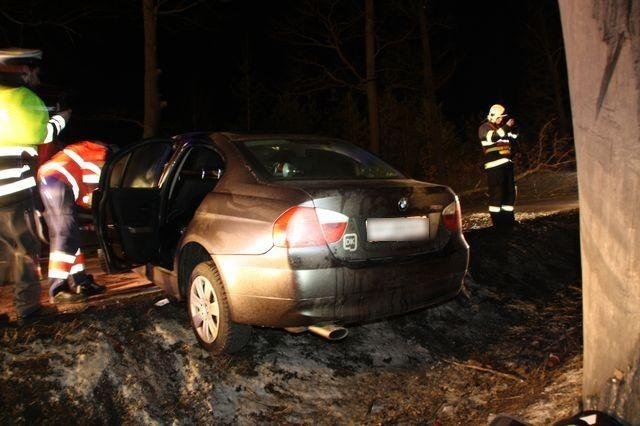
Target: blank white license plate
(397,229)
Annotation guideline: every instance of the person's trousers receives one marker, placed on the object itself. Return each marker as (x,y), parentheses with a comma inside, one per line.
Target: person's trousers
(19,249)
(502,194)
(64,239)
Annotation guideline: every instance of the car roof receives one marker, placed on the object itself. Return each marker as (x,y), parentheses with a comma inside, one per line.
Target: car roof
(238,137)
(200,137)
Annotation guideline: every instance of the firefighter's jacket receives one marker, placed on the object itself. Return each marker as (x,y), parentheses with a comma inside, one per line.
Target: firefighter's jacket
(497,143)
(24,124)
(79,166)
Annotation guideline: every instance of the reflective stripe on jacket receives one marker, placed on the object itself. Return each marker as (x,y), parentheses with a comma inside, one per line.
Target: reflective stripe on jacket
(79,166)
(496,143)
(16,175)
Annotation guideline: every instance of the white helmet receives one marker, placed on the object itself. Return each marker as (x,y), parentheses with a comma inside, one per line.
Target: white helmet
(496,111)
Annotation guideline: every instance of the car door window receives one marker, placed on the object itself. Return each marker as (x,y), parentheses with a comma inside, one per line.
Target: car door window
(197,175)
(202,162)
(143,167)
(117,171)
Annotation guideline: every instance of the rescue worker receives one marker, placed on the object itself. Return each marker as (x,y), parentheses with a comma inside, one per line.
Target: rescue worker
(67,182)
(498,139)
(24,124)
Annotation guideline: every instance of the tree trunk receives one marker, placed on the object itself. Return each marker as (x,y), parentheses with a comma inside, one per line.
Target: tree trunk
(248,86)
(151,97)
(372,89)
(602,40)
(432,126)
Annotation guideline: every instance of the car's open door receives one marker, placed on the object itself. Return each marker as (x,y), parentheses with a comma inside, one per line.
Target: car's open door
(126,205)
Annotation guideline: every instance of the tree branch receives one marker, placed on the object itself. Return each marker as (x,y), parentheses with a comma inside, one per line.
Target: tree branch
(399,40)
(178,9)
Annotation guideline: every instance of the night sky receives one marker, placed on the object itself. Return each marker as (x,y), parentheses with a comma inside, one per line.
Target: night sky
(484,47)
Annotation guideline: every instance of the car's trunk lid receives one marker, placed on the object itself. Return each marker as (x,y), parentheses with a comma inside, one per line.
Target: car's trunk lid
(388,219)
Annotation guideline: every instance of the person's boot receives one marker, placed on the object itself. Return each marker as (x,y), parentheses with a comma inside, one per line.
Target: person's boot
(85,284)
(29,315)
(507,222)
(60,292)
(495,219)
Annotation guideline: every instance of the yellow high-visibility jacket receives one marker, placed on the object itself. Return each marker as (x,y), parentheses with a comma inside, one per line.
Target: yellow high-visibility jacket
(23,117)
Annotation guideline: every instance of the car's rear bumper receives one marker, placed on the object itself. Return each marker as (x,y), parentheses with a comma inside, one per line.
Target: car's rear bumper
(261,292)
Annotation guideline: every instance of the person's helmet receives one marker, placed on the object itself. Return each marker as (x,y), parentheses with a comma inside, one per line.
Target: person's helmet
(496,111)
(11,59)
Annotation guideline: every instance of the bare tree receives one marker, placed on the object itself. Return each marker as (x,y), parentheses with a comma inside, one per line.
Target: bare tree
(335,31)
(151,10)
(372,88)
(151,71)
(546,78)
(432,126)
(552,151)
(36,17)
(248,83)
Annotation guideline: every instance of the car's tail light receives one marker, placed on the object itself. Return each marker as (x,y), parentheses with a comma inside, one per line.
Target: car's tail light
(452,216)
(308,226)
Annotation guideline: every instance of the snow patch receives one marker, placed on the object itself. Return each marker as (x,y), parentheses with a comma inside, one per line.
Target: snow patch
(170,332)
(83,374)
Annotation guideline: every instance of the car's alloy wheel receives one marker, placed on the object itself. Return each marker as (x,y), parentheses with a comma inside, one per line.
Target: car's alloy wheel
(208,310)
(205,311)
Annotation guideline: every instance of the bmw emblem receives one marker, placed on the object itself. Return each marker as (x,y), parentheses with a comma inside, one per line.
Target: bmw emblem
(403,203)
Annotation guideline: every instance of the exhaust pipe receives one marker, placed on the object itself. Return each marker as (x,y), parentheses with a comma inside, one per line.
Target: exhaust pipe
(328,331)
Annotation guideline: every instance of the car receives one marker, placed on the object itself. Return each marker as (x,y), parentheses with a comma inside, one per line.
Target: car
(288,231)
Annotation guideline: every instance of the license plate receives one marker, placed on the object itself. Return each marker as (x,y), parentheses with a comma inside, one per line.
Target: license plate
(397,229)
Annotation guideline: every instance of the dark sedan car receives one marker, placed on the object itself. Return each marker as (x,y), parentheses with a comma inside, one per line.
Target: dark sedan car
(297,232)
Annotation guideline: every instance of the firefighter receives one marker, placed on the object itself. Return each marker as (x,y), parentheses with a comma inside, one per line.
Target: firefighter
(24,124)
(498,135)
(67,182)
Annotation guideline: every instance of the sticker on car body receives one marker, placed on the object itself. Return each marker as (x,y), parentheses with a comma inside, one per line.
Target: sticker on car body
(350,242)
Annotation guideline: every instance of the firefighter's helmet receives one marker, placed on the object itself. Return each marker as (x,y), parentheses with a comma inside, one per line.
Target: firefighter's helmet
(495,112)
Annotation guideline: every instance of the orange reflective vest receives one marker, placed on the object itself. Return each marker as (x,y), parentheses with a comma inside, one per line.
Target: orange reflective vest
(78,165)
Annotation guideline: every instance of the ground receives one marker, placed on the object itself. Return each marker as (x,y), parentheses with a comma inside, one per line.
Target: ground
(514,345)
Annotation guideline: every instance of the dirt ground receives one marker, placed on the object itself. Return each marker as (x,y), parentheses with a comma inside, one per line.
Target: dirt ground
(513,346)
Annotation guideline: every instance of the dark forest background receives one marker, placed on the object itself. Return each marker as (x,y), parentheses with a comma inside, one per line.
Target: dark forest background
(302,67)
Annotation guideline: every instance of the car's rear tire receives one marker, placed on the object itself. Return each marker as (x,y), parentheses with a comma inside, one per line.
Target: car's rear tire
(209,313)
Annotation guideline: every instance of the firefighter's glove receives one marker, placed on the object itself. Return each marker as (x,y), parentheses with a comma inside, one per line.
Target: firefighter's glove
(86,201)
(29,160)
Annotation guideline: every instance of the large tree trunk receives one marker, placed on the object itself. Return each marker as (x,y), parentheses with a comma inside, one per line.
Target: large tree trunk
(151,97)
(372,89)
(602,40)
(248,84)
(433,127)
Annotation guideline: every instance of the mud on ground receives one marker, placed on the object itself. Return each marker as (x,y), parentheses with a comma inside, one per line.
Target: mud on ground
(514,346)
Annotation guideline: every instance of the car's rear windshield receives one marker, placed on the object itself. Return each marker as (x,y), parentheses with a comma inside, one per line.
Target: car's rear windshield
(295,159)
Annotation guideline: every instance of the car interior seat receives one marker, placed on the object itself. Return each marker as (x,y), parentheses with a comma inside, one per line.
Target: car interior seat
(197,176)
